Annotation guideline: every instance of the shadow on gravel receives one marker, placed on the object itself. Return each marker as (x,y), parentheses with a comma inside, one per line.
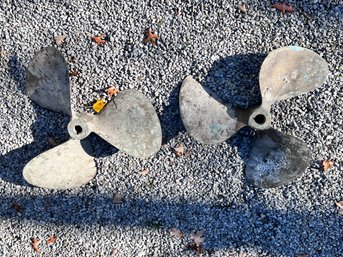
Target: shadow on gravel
(50,128)
(251,225)
(171,123)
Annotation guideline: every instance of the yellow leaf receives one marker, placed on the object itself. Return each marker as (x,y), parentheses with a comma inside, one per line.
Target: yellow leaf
(98,105)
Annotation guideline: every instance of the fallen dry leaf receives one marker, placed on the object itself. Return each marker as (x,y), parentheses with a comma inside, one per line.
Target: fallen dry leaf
(51,240)
(59,40)
(144,172)
(34,244)
(150,37)
(340,208)
(282,7)
(112,91)
(243,7)
(327,165)
(117,198)
(197,238)
(176,232)
(101,39)
(73,73)
(99,105)
(178,150)
(17,207)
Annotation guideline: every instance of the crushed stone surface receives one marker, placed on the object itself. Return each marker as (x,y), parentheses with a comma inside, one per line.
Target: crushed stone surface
(223,49)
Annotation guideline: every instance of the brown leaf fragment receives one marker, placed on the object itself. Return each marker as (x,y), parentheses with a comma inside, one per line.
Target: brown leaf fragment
(117,198)
(282,7)
(176,232)
(112,91)
(144,172)
(193,247)
(34,244)
(73,73)
(178,150)
(197,238)
(59,40)
(302,255)
(17,207)
(243,7)
(150,37)
(327,165)
(51,240)
(340,208)
(101,39)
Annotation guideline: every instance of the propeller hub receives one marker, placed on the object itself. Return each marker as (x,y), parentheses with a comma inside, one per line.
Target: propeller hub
(78,129)
(260,119)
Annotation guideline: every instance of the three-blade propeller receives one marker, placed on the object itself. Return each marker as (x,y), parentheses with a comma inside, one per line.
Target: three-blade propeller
(275,158)
(128,122)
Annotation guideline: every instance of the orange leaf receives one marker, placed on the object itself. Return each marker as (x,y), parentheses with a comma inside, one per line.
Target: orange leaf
(327,165)
(112,91)
(51,240)
(101,40)
(99,105)
(35,242)
(150,37)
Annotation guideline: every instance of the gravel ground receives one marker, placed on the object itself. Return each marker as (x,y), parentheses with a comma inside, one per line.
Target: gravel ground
(222,49)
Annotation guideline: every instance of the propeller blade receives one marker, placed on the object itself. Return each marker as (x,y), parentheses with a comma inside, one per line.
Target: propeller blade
(47,81)
(290,71)
(66,166)
(276,159)
(130,123)
(205,118)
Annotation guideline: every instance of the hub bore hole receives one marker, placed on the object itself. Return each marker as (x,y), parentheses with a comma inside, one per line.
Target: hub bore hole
(78,129)
(260,119)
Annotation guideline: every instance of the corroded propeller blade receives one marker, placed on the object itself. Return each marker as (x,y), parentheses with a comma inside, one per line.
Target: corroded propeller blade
(47,81)
(276,159)
(291,71)
(128,122)
(205,118)
(65,166)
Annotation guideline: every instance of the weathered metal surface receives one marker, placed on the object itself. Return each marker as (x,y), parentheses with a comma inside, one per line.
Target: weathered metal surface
(206,119)
(47,81)
(291,71)
(276,159)
(63,167)
(130,123)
